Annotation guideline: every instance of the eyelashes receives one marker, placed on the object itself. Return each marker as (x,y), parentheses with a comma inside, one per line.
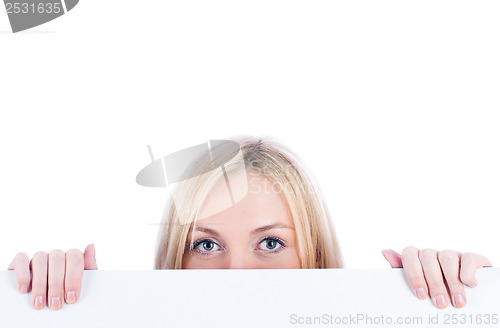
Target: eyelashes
(272,244)
(209,246)
(205,246)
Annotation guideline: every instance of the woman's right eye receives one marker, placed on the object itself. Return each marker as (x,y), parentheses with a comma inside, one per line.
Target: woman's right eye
(205,246)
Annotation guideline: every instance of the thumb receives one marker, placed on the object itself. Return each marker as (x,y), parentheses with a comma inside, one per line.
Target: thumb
(90,262)
(393,258)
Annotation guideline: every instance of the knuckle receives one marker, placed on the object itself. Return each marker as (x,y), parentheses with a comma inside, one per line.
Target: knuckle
(75,254)
(39,259)
(74,275)
(455,286)
(39,284)
(24,278)
(72,285)
(447,256)
(21,257)
(468,257)
(38,290)
(40,254)
(415,278)
(56,287)
(20,262)
(435,285)
(410,250)
(56,257)
(427,254)
(57,254)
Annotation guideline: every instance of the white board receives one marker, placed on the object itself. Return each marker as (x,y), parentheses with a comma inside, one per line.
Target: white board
(251,298)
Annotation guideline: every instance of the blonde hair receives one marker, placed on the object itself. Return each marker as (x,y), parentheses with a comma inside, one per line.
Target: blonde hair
(316,239)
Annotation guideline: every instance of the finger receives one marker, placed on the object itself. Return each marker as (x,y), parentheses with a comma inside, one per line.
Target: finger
(434,277)
(39,281)
(21,264)
(469,262)
(393,258)
(90,262)
(57,267)
(450,266)
(414,273)
(74,275)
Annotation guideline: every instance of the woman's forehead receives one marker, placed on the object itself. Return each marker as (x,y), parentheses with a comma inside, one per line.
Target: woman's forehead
(263,204)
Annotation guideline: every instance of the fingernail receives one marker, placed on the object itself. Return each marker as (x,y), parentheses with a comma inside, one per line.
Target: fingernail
(441,301)
(55,302)
(71,297)
(421,293)
(39,302)
(23,289)
(458,300)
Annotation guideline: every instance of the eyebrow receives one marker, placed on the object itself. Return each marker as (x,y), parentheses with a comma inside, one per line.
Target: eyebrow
(255,231)
(271,226)
(206,230)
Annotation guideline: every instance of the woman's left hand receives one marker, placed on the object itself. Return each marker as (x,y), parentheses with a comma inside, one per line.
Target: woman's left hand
(429,272)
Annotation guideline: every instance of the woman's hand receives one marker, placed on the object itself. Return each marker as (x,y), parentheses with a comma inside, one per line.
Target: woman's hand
(55,277)
(429,272)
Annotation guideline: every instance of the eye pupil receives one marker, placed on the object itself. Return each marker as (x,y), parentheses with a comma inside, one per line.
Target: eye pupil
(208,245)
(271,244)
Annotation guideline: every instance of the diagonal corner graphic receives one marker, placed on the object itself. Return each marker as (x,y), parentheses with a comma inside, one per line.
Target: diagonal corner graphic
(26,14)
(188,169)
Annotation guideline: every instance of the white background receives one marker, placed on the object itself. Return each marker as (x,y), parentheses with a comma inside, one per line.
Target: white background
(393,105)
(166,300)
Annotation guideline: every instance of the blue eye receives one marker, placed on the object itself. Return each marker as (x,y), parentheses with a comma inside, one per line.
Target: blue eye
(271,244)
(206,246)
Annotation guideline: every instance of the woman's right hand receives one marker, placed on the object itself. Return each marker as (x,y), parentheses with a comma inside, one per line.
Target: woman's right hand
(54,277)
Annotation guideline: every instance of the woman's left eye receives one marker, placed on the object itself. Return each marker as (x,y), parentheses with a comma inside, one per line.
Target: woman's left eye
(205,246)
(271,244)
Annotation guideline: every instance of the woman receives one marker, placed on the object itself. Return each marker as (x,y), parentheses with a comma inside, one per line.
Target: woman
(249,207)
